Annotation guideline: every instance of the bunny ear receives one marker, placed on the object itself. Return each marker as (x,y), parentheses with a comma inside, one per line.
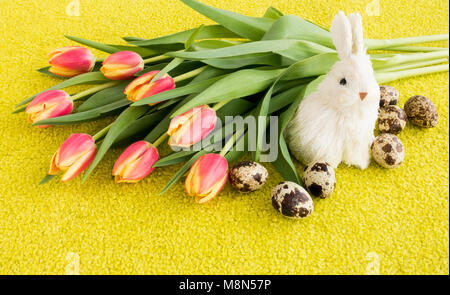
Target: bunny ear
(357,33)
(341,34)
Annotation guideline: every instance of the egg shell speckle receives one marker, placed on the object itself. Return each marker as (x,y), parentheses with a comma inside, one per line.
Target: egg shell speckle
(421,111)
(388,150)
(292,200)
(388,96)
(391,119)
(319,179)
(248,176)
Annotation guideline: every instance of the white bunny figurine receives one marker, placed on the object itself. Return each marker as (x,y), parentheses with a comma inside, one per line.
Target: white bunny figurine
(336,122)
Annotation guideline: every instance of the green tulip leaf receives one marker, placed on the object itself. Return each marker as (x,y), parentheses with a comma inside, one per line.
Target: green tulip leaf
(174,158)
(140,125)
(293,49)
(208,32)
(182,68)
(273,13)
(177,92)
(294,27)
(46,179)
(94,44)
(86,116)
(283,163)
(235,85)
(144,52)
(252,28)
(87,78)
(235,62)
(104,97)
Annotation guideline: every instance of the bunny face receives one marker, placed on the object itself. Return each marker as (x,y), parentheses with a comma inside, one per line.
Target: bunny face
(351,81)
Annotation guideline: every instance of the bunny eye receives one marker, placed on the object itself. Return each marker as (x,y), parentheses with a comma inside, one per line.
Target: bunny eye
(343,81)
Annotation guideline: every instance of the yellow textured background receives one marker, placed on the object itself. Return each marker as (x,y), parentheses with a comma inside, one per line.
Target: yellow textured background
(400,216)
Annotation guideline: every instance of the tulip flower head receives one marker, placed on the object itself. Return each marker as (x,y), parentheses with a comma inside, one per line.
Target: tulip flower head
(122,65)
(141,87)
(207,177)
(71,61)
(49,104)
(135,163)
(73,156)
(192,126)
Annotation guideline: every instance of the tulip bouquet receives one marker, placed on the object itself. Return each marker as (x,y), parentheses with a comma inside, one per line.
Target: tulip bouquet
(174,89)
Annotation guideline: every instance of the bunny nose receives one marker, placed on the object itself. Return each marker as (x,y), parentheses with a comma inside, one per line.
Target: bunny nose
(362,95)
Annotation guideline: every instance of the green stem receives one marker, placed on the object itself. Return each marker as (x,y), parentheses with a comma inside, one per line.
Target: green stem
(160,140)
(218,105)
(416,48)
(415,65)
(94,90)
(229,144)
(383,77)
(190,74)
(407,58)
(382,44)
(102,132)
(155,59)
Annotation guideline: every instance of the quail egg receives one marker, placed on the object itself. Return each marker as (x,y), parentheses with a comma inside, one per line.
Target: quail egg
(319,179)
(388,96)
(421,111)
(292,200)
(388,150)
(391,119)
(248,176)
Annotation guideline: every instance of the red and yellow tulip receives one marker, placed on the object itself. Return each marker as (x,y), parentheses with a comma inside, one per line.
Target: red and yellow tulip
(71,61)
(141,87)
(73,156)
(122,65)
(192,126)
(207,177)
(135,162)
(49,104)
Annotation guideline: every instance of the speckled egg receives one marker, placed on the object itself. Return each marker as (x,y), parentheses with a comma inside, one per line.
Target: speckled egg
(388,96)
(319,179)
(421,111)
(292,200)
(391,119)
(248,176)
(388,150)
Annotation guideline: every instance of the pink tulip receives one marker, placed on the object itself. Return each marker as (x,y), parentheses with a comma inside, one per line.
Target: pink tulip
(71,61)
(141,87)
(122,65)
(73,156)
(135,162)
(49,104)
(192,126)
(207,177)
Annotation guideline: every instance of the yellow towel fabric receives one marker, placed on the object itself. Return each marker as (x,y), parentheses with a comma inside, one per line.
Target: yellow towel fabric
(378,220)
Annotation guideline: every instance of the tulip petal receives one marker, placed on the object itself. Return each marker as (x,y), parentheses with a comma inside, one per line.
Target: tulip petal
(122,65)
(141,87)
(131,153)
(193,126)
(141,167)
(214,191)
(79,165)
(207,177)
(73,148)
(53,167)
(70,61)
(135,163)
